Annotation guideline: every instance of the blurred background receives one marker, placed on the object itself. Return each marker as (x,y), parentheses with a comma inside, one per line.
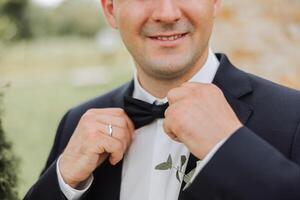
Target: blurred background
(55,54)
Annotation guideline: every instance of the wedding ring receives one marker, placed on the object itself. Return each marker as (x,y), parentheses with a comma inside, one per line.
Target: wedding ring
(110,130)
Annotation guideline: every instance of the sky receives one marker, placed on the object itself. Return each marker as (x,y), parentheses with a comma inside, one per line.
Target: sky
(49,3)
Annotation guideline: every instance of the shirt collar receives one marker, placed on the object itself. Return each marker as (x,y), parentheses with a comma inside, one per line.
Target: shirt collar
(205,75)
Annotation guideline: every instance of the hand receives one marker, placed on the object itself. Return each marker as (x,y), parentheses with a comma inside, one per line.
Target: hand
(199,116)
(90,143)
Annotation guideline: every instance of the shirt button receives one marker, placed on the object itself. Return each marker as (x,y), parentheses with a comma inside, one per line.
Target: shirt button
(159,102)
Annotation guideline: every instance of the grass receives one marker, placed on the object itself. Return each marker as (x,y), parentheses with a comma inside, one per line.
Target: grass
(42,88)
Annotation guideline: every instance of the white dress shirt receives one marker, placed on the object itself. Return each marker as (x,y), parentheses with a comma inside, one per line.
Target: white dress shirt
(150,147)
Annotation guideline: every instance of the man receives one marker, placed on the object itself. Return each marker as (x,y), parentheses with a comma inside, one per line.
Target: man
(240,133)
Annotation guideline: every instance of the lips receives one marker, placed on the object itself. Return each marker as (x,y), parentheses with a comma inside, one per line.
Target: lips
(172,37)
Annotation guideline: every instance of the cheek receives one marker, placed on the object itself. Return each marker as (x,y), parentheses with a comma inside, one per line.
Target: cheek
(130,22)
(199,12)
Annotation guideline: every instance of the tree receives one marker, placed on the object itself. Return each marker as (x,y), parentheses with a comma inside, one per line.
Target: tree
(13,20)
(8,166)
(71,18)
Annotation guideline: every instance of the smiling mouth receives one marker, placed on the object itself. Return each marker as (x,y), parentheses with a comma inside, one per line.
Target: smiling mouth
(168,38)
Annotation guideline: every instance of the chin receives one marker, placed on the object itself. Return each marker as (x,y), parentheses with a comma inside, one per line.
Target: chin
(169,69)
(167,72)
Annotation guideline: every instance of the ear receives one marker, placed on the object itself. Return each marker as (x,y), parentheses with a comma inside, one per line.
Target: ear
(217,5)
(108,10)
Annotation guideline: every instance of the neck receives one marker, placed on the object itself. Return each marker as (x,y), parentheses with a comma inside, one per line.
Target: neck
(159,88)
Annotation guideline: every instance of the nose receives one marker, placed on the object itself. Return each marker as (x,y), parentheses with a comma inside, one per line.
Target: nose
(166,11)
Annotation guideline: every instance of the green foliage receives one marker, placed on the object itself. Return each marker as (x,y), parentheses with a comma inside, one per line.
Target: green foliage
(73,17)
(21,19)
(13,20)
(165,165)
(8,29)
(168,165)
(8,166)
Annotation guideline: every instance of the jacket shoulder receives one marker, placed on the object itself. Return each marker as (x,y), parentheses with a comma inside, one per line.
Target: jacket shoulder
(105,100)
(274,92)
(275,103)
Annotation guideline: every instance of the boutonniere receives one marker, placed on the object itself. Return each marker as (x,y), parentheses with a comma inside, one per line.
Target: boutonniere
(180,175)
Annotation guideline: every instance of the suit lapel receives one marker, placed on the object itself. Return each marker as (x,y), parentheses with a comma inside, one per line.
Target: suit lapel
(126,90)
(235,85)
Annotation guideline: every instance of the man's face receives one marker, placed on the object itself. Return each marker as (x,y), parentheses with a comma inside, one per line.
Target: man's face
(165,37)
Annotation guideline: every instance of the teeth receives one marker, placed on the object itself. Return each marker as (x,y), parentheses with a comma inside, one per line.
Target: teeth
(169,38)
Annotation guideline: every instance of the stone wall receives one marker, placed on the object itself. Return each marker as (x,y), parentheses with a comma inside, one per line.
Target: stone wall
(261,36)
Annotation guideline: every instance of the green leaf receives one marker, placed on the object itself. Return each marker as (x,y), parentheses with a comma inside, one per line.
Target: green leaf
(177,176)
(163,166)
(183,160)
(170,160)
(187,178)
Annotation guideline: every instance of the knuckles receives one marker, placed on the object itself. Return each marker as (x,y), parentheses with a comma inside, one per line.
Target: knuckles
(88,116)
(122,122)
(171,95)
(89,128)
(119,146)
(118,111)
(92,134)
(194,90)
(207,91)
(123,135)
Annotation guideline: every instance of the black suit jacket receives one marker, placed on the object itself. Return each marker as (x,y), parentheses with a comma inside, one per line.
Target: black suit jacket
(260,161)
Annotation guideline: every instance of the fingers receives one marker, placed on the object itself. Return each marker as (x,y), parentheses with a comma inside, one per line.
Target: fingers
(116,121)
(177,94)
(189,89)
(119,133)
(167,126)
(116,112)
(98,121)
(90,143)
(110,145)
(99,143)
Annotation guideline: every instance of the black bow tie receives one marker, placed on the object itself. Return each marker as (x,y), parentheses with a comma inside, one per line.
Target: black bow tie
(142,113)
